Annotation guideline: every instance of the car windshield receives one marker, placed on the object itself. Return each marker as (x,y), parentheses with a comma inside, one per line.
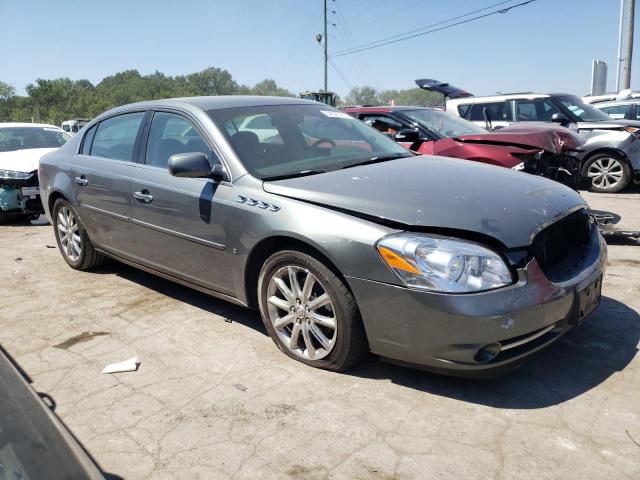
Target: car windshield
(22,138)
(288,140)
(584,111)
(442,123)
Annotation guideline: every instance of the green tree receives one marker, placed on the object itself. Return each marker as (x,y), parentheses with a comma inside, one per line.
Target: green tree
(6,92)
(362,96)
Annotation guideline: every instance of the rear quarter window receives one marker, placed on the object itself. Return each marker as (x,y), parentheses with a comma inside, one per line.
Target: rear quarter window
(87,140)
(464,110)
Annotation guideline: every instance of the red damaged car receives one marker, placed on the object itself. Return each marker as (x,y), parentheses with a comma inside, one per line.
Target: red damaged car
(539,149)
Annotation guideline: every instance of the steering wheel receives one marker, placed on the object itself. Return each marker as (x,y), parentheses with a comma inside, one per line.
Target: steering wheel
(320,141)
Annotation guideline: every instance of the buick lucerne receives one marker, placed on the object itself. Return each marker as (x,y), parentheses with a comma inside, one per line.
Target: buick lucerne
(345,241)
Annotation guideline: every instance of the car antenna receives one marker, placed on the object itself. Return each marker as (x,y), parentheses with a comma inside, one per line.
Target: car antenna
(487,119)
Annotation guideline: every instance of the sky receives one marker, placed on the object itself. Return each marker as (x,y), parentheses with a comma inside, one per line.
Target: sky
(544,46)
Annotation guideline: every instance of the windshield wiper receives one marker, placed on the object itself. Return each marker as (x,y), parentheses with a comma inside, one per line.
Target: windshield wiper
(301,173)
(378,159)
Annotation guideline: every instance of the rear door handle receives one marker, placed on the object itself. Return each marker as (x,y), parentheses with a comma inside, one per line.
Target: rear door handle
(81,180)
(143,196)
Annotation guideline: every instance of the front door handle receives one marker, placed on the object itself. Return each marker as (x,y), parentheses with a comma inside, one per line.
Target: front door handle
(81,180)
(143,196)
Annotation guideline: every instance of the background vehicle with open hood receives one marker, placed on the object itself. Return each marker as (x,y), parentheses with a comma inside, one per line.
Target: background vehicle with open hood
(610,157)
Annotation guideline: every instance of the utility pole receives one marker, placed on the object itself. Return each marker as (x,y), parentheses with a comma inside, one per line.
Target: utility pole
(627,60)
(619,57)
(326,42)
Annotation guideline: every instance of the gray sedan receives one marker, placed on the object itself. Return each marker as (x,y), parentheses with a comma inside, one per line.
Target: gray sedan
(345,241)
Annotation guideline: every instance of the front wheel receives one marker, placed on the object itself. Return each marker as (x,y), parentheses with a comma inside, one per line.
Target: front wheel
(309,312)
(606,173)
(72,238)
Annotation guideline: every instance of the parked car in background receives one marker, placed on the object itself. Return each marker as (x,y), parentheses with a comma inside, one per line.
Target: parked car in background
(75,125)
(610,157)
(626,94)
(548,151)
(34,444)
(620,109)
(21,146)
(345,241)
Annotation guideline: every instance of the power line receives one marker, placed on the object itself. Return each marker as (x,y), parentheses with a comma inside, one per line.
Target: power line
(448,20)
(340,74)
(405,36)
(349,41)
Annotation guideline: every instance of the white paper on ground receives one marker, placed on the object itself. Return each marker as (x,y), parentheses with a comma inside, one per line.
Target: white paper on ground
(126,366)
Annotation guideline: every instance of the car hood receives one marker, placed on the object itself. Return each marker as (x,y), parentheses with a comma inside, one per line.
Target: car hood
(23,160)
(441,193)
(609,124)
(552,138)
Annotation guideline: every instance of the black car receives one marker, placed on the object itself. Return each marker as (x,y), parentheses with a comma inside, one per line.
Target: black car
(34,444)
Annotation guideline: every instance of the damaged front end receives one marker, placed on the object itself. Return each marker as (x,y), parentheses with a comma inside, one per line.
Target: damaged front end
(20,194)
(563,168)
(551,151)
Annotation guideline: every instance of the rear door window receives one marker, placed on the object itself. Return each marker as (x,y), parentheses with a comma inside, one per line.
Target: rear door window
(498,112)
(618,112)
(171,134)
(115,137)
(535,110)
(382,123)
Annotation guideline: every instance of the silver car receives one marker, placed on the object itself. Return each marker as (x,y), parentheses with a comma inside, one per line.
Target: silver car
(345,241)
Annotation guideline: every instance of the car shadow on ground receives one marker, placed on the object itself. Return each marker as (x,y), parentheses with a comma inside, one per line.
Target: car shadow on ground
(581,360)
(227,310)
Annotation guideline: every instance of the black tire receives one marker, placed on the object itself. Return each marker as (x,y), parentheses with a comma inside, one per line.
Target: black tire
(351,343)
(89,257)
(604,159)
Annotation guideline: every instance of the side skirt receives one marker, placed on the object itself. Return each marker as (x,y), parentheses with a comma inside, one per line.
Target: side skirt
(171,278)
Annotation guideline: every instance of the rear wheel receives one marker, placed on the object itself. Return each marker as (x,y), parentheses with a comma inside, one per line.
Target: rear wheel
(606,172)
(309,312)
(72,238)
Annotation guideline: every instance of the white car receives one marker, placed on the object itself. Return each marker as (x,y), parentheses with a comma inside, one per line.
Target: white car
(21,147)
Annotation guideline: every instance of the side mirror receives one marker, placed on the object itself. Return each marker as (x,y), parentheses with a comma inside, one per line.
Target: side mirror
(195,165)
(560,118)
(407,135)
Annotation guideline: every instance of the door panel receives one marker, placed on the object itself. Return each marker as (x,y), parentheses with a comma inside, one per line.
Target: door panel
(180,226)
(180,223)
(103,185)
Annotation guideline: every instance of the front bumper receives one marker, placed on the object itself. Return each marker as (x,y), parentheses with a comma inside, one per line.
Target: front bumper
(451,333)
(21,197)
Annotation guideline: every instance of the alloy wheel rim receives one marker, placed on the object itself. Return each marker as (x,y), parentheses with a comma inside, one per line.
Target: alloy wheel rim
(606,172)
(69,234)
(302,313)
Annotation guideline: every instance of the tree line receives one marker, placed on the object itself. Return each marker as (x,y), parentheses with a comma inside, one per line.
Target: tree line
(53,101)
(59,99)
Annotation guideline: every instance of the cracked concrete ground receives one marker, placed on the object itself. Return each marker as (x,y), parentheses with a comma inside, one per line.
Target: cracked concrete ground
(214,399)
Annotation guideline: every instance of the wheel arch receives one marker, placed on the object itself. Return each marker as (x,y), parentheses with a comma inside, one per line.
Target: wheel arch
(610,150)
(53,196)
(270,245)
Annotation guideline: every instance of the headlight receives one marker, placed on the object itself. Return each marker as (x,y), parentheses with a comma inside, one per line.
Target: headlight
(633,131)
(443,264)
(518,167)
(15,175)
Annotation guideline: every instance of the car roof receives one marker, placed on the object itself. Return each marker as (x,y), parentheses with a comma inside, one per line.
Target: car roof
(25,124)
(221,101)
(609,103)
(384,108)
(497,98)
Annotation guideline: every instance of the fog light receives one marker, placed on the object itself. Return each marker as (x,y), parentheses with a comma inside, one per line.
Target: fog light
(487,353)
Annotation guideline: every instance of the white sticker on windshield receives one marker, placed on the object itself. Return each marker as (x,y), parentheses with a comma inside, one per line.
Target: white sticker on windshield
(333,114)
(49,129)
